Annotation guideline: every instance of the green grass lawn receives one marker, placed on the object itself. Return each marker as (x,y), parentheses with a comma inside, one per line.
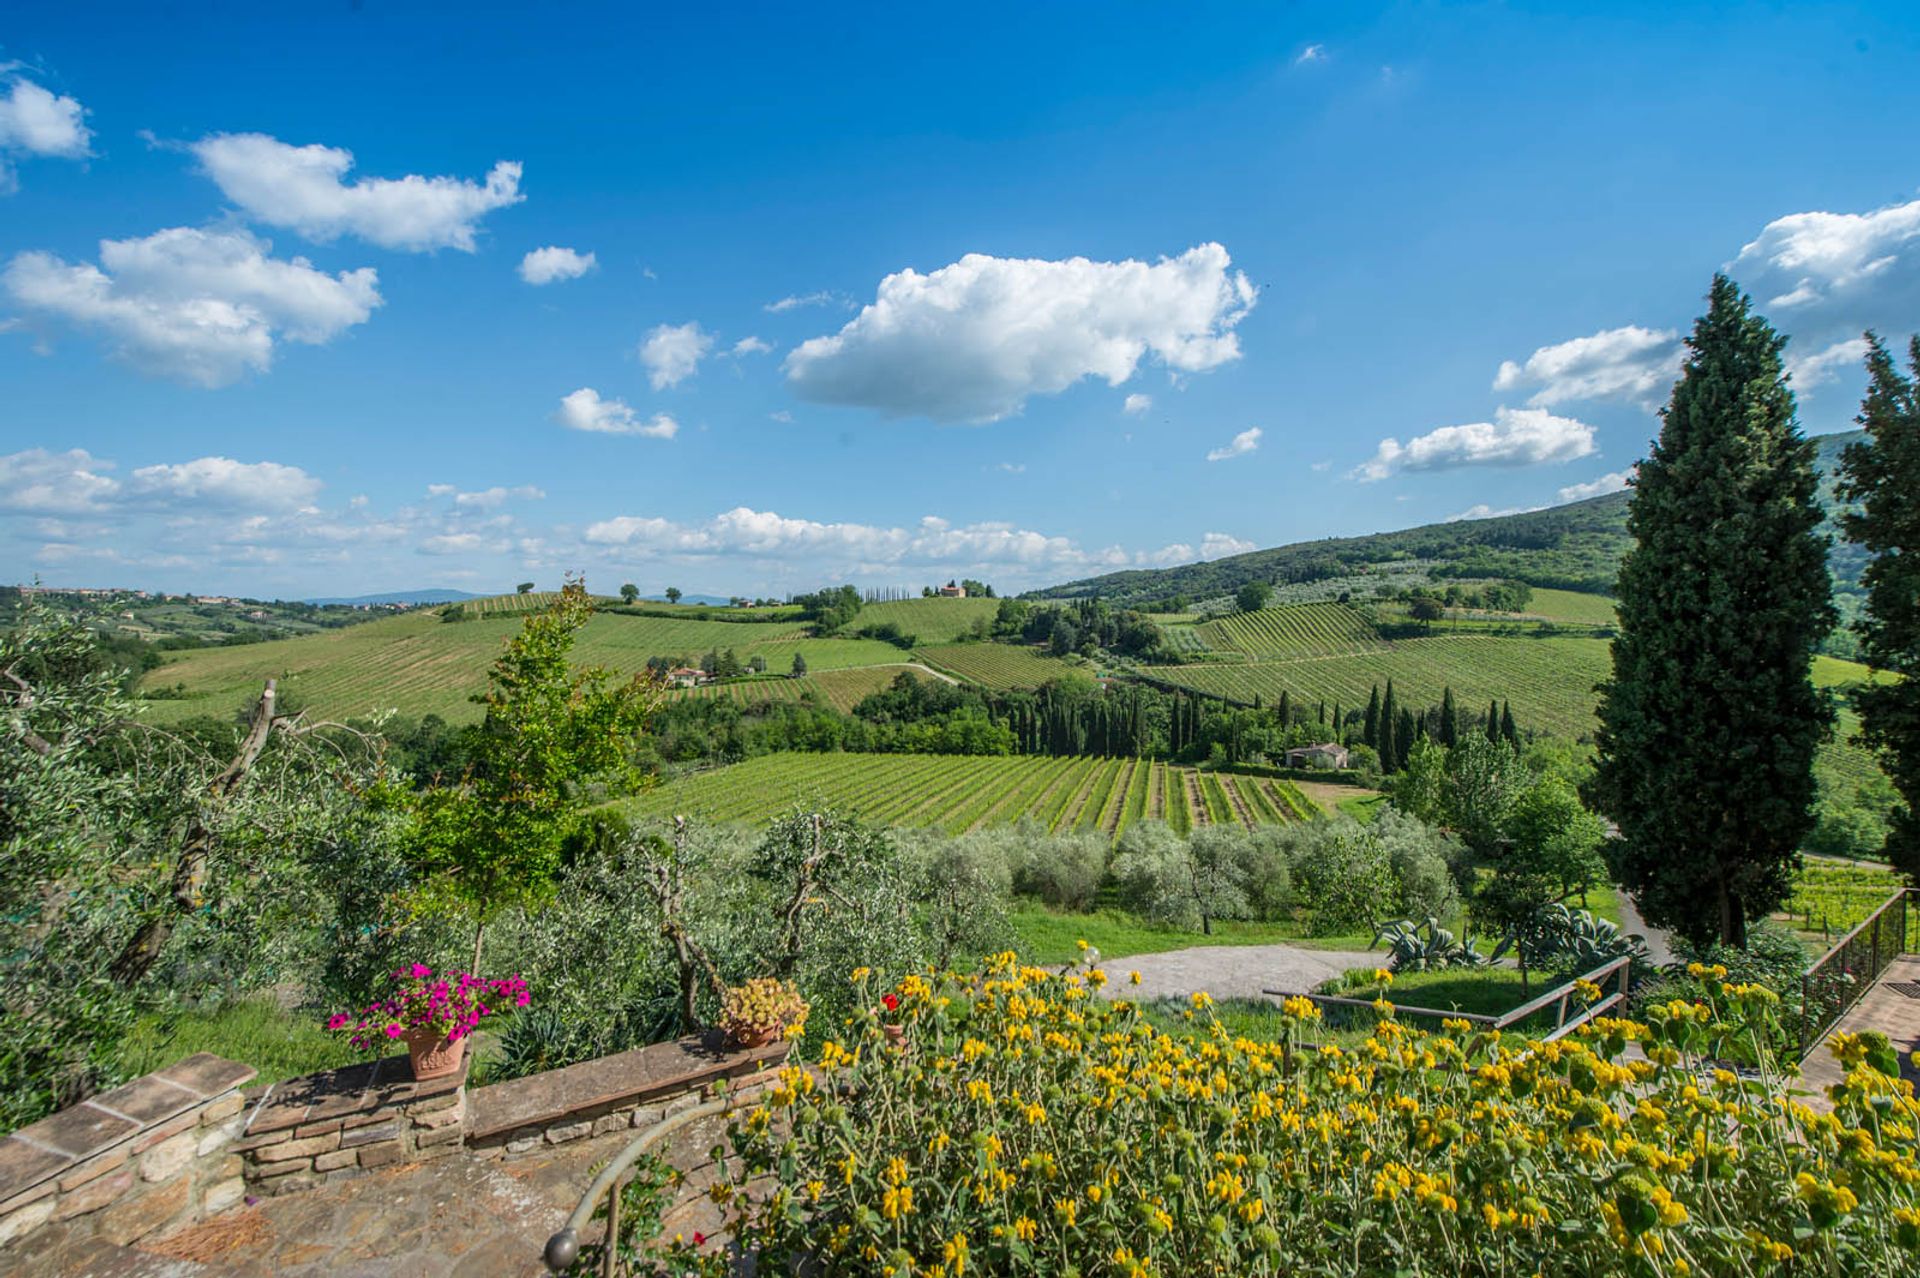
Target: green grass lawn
(253,1031)
(1362,807)
(1045,936)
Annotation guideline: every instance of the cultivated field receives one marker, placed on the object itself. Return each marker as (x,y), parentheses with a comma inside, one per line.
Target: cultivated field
(841,689)
(931,621)
(1549,681)
(1571,606)
(956,793)
(421,665)
(1303,630)
(996,665)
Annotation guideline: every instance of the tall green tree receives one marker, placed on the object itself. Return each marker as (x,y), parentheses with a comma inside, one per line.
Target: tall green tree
(1883,475)
(552,732)
(1710,721)
(1253,596)
(1449,718)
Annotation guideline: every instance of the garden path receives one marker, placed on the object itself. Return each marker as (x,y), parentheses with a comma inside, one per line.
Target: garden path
(1231,971)
(1659,941)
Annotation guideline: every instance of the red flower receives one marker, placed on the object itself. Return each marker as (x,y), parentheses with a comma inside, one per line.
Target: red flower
(699,1239)
(890,1001)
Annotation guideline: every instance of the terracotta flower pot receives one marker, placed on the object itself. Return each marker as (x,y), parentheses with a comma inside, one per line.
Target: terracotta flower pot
(433,1054)
(752,1037)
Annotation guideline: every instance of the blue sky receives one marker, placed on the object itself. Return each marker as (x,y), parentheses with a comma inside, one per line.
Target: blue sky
(896,293)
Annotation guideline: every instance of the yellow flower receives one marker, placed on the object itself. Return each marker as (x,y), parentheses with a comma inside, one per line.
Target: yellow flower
(1133,978)
(1024,1228)
(897,1202)
(1201,999)
(1383,976)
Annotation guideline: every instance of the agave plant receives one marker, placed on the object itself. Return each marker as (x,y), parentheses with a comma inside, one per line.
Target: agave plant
(1584,942)
(1422,947)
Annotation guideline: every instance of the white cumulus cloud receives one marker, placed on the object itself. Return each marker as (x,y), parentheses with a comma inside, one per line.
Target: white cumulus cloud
(37,122)
(1484,511)
(40,482)
(973,340)
(672,352)
(1515,437)
(585,410)
(303,187)
(486,498)
(1821,366)
(198,306)
(1856,269)
(1136,404)
(1216,545)
(1630,363)
(223,482)
(552,264)
(1611,482)
(751,346)
(1245,442)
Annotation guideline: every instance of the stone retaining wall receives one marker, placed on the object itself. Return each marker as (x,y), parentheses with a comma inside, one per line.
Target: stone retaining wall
(141,1159)
(633,1089)
(344,1122)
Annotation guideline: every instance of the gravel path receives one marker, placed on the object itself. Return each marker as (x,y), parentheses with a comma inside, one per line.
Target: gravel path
(1231,971)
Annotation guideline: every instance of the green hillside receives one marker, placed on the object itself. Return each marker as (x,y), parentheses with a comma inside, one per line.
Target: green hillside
(1576,547)
(420,664)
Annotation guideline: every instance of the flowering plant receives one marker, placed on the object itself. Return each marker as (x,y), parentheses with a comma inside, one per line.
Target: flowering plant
(451,1003)
(1042,1128)
(762,1006)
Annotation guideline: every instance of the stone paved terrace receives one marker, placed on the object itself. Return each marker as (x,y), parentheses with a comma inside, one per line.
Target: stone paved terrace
(480,1208)
(452,1216)
(1886,1008)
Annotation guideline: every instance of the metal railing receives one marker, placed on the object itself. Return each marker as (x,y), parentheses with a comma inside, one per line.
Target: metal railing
(1835,982)
(1618,973)
(564,1247)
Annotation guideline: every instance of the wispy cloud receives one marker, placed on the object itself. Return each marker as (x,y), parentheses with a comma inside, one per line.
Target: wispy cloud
(1245,442)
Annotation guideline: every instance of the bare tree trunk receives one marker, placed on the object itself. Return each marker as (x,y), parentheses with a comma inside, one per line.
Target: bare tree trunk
(196,849)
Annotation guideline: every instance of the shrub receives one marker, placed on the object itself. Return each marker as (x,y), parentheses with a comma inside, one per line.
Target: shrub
(1064,870)
(1028,1125)
(1267,880)
(1422,859)
(1342,876)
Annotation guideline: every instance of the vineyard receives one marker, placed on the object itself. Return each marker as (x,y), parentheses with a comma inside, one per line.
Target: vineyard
(1830,897)
(1549,681)
(1303,630)
(956,793)
(1571,606)
(931,621)
(996,665)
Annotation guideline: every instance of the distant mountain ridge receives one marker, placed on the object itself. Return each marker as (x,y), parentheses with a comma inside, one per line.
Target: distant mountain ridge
(1573,547)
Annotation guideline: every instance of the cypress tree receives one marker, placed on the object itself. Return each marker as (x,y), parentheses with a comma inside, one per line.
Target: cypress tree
(1389,746)
(1339,727)
(1449,734)
(1493,721)
(1286,709)
(1508,731)
(1370,727)
(1710,721)
(1883,475)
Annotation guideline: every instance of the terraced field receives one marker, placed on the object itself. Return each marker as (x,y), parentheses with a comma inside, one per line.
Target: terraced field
(1550,681)
(956,793)
(1299,630)
(421,665)
(995,665)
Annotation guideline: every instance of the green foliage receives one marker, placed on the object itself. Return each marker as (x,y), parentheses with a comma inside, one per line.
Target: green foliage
(1710,722)
(1883,474)
(494,837)
(1342,875)
(1425,946)
(1253,596)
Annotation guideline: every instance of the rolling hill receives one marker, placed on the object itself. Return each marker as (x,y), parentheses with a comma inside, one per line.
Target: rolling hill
(1574,547)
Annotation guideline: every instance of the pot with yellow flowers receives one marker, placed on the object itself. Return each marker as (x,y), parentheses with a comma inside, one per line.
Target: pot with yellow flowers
(761,1011)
